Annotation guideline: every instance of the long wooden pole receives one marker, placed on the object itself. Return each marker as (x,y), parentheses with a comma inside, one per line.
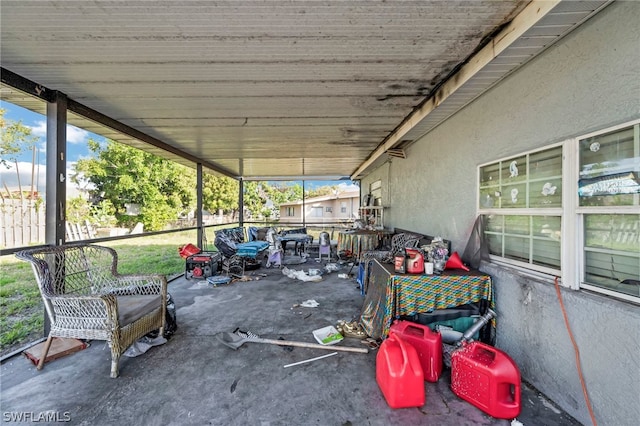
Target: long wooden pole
(308,345)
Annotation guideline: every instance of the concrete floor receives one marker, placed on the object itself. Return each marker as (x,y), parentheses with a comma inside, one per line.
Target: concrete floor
(194,379)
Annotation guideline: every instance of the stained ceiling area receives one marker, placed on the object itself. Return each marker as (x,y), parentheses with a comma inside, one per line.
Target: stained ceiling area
(270,89)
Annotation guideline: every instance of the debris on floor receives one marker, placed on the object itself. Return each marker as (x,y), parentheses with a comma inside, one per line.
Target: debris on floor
(351,329)
(311,359)
(143,345)
(331,267)
(327,335)
(218,280)
(246,278)
(300,275)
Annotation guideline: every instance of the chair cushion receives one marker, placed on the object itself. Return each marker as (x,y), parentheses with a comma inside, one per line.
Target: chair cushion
(132,308)
(251,249)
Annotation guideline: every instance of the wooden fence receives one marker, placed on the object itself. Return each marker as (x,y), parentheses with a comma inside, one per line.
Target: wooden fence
(22,223)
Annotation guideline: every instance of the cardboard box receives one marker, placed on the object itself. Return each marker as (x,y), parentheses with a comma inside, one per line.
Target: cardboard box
(60,346)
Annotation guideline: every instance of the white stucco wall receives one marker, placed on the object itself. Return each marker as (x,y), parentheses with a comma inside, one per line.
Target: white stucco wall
(588,81)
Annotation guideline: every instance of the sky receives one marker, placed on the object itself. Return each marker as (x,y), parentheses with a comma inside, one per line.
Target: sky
(77,148)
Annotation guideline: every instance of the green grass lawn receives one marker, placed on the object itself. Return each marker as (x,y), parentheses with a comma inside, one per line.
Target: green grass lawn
(21,307)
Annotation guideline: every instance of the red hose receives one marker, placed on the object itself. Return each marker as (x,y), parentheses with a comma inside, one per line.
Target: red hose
(577,352)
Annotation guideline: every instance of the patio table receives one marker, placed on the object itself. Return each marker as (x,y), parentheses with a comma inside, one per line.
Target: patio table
(300,240)
(391,295)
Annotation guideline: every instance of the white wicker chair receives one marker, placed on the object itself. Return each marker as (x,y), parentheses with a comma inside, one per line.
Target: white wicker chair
(85,297)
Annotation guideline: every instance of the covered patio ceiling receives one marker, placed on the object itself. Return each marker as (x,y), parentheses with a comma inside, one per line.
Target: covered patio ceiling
(271,89)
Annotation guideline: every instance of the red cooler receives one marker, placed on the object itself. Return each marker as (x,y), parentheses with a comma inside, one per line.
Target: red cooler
(399,374)
(428,344)
(487,378)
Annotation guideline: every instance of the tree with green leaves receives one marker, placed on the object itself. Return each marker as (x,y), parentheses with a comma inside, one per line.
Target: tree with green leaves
(284,193)
(16,138)
(254,198)
(126,176)
(219,193)
(322,191)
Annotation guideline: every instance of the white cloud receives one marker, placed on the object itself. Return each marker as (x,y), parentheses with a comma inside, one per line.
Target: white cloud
(9,179)
(344,187)
(74,134)
(40,129)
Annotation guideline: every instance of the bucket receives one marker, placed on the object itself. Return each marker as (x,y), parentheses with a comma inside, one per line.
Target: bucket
(427,343)
(188,250)
(399,374)
(487,378)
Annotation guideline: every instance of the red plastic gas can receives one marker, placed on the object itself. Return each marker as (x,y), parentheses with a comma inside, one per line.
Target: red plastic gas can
(188,250)
(487,378)
(428,344)
(399,374)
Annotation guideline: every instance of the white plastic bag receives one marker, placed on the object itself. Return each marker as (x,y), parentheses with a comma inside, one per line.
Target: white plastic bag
(143,345)
(300,275)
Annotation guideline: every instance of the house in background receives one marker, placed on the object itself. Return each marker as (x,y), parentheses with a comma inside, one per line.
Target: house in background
(340,207)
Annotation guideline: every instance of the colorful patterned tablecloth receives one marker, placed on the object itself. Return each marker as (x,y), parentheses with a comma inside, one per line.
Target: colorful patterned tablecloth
(361,240)
(390,295)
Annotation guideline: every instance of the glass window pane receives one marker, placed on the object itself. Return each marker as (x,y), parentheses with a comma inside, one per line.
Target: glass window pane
(612,251)
(609,169)
(546,164)
(516,225)
(490,175)
(613,272)
(495,244)
(615,232)
(516,248)
(489,197)
(546,241)
(514,196)
(546,253)
(545,193)
(545,178)
(546,226)
(514,170)
(495,223)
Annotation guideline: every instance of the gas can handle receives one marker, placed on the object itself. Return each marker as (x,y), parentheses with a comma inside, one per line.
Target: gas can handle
(403,350)
(479,346)
(409,326)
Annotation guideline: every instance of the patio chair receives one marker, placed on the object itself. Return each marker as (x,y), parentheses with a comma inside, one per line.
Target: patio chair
(86,298)
(236,254)
(399,242)
(275,249)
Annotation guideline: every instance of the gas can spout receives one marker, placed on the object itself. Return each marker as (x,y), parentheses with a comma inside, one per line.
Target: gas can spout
(482,321)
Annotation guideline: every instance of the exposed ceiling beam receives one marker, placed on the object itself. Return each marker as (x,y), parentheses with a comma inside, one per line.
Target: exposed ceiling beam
(34,89)
(526,19)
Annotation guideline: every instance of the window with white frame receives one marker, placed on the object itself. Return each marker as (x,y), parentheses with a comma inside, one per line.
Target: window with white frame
(343,207)
(585,190)
(328,209)
(316,211)
(291,211)
(609,210)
